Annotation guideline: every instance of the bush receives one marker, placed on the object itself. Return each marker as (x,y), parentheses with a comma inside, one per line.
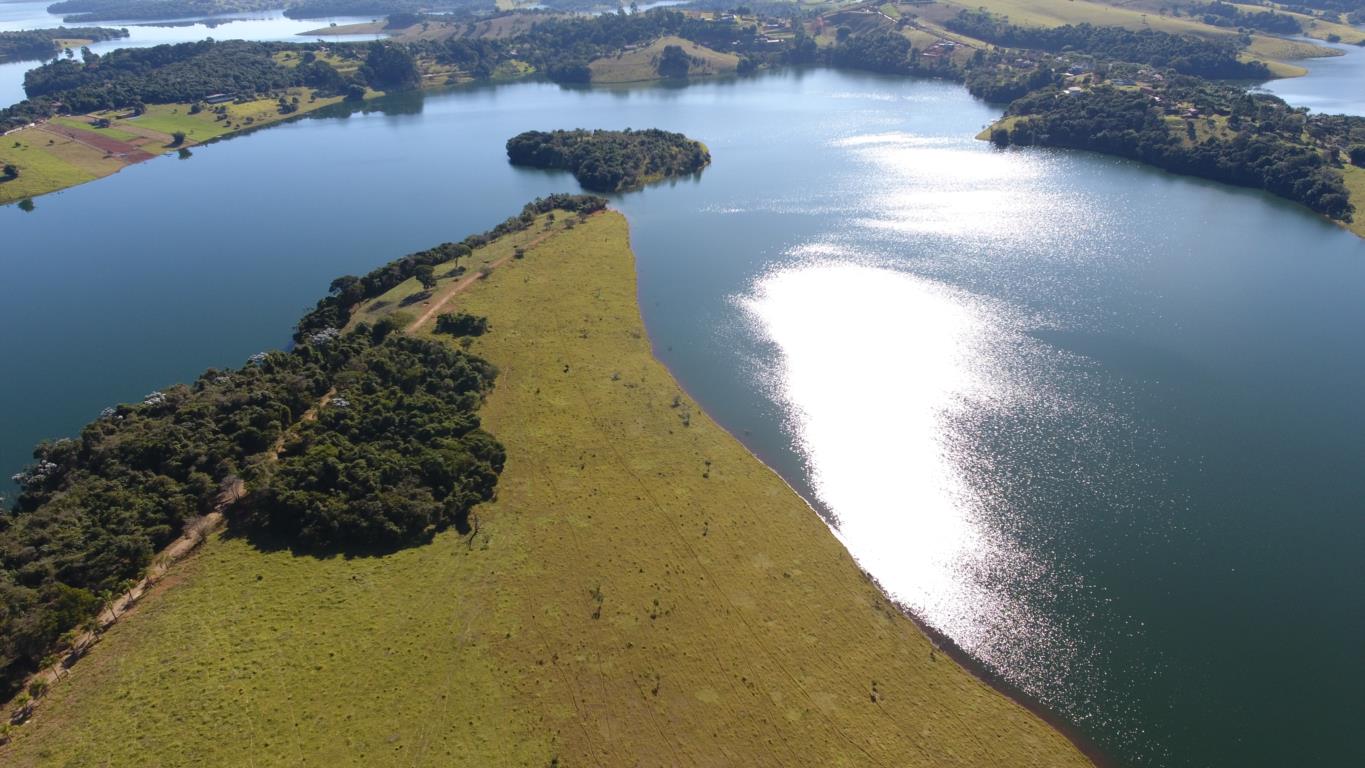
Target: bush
(461,324)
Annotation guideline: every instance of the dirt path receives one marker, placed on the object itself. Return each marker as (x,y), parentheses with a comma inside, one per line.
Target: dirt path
(196,532)
(460,286)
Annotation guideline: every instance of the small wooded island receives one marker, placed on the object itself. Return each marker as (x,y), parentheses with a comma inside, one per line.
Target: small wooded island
(611,161)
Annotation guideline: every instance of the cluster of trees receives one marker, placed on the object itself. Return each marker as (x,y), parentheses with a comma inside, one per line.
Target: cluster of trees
(42,43)
(610,161)
(395,455)
(390,67)
(334,310)
(105,10)
(1221,14)
(1185,54)
(878,50)
(1265,153)
(461,324)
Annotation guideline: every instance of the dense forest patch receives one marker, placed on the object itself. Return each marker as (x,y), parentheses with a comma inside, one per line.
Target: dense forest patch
(610,161)
(1216,132)
(393,456)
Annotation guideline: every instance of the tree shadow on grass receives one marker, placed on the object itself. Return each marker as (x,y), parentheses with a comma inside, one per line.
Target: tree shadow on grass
(266,540)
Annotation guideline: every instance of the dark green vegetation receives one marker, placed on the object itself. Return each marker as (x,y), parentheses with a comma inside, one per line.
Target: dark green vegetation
(610,161)
(461,324)
(43,43)
(190,72)
(334,310)
(1185,54)
(674,62)
(1220,14)
(393,457)
(1216,132)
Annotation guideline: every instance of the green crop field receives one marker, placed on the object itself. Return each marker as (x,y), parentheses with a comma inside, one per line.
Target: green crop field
(643,592)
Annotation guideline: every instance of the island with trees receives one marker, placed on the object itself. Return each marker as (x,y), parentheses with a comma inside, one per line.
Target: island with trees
(610,161)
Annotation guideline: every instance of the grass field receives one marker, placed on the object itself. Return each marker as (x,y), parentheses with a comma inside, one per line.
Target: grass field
(42,167)
(641,65)
(48,161)
(82,124)
(642,593)
(1355,183)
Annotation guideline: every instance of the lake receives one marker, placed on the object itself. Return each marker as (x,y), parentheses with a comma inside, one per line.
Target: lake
(1335,85)
(1098,424)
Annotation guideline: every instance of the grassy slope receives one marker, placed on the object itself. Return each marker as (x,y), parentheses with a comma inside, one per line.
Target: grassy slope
(45,167)
(732,628)
(641,65)
(1355,184)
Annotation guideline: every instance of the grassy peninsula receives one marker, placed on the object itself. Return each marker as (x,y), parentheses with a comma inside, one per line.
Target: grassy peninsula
(610,161)
(642,591)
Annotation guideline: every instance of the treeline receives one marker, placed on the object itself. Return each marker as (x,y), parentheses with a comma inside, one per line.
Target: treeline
(1264,153)
(1186,55)
(190,72)
(334,310)
(93,511)
(41,44)
(1220,14)
(610,161)
(142,10)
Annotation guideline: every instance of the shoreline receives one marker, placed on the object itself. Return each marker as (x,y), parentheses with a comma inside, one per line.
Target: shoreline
(942,642)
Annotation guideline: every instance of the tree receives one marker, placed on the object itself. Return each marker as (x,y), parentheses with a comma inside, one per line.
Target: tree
(10,172)
(391,68)
(1357,155)
(425,275)
(177,138)
(674,62)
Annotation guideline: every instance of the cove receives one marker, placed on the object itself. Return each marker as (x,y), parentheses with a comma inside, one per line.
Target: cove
(1096,423)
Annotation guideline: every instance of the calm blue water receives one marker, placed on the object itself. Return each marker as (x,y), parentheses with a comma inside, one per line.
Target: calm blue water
(1099,424)
(1334,85)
